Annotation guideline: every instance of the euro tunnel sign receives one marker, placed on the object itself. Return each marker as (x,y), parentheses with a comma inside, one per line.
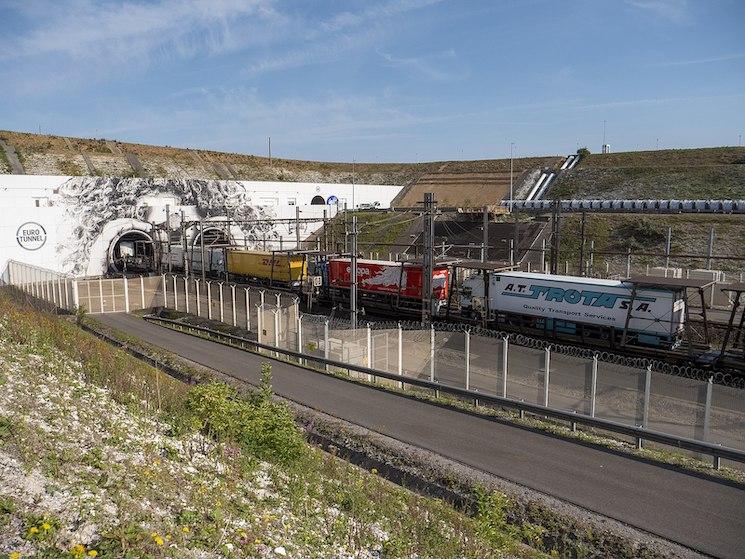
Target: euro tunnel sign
(31,236)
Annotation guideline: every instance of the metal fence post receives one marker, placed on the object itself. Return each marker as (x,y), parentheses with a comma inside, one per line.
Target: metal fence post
(505,353)
(75,294)
(593,384)
(547,376)
(209,300)
(186,294)
(248,308)
(100,293)
(196,289)
(126,294)
(300,334)
(543,256)
(222,305)
(592,257)
(232,296)
(259,323)
(645,408)
(400,354)
(165,291)
(326,341)
(468,359)
(369,351)
(628,262)
(276,329)
(707,409)
(142,291)
(432,353)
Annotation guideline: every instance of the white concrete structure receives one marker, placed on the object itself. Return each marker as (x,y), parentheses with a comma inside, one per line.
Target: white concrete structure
(80,225)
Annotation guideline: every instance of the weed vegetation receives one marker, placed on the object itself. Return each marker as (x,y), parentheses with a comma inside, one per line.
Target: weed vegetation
(103,456)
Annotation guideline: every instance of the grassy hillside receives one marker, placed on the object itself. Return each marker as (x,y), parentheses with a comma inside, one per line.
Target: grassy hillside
(683,174)
(375,230)
(648,233)
(45,154)
(103,456)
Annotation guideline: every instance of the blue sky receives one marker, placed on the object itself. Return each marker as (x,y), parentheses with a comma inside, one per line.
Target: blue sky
(378,80)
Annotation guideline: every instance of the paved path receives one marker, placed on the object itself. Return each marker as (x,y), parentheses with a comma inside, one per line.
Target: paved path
(15,164)
(698,513)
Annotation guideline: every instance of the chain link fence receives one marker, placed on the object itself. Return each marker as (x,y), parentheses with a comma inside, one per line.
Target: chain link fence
(681,401)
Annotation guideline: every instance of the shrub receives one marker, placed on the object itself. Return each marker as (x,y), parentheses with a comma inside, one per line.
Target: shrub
(638,234)
(583,152)
(264,428)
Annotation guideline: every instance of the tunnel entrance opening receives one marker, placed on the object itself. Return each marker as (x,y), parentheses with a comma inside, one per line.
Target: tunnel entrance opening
(318,201)
(213,237)
(133,251)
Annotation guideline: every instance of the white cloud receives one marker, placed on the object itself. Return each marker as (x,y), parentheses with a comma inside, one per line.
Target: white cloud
(676,11)
(84,30)
(343,33)
(710,60)
(431,66)
(345,20)
(243,117)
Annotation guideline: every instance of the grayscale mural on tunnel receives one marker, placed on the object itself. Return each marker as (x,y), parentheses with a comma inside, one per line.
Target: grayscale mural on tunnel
(93,203)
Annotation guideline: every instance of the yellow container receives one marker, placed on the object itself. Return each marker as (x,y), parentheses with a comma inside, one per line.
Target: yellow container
(266,267)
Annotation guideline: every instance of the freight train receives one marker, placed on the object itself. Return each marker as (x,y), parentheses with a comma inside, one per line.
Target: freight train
(567,307)
(386,286)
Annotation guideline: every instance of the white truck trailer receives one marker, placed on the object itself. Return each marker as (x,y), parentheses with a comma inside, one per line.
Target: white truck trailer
(576,306)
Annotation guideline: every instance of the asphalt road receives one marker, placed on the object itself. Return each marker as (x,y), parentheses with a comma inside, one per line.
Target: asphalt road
(698,513)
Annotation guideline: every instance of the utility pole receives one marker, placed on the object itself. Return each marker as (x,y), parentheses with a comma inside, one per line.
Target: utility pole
(353,206)
(555,241)
(603,147)
(428,235)
(270,151)
(353,275)
(297,227)
(485,241)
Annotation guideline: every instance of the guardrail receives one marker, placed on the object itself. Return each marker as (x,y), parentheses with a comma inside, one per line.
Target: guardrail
(639,433)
